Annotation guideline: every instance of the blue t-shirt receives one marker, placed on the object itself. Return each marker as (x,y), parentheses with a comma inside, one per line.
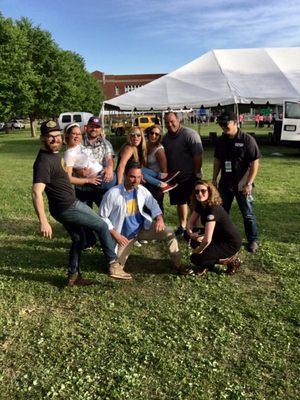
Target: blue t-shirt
(134,221)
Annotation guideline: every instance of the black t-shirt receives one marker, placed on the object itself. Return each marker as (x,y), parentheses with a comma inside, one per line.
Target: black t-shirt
(225,232)
(240,151)
(48,169)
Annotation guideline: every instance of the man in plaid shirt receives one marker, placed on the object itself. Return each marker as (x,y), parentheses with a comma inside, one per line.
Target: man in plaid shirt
(102,151)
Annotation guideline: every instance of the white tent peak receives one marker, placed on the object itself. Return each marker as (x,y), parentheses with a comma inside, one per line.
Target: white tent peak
(222,77)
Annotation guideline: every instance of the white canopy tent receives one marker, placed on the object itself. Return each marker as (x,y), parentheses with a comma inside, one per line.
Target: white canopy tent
(221,77)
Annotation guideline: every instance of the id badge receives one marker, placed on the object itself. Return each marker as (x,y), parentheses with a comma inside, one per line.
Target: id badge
(228,166)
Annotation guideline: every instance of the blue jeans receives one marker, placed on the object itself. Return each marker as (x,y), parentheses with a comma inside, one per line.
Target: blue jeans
(75,219)
(151,176)
(90,194)
(246,207)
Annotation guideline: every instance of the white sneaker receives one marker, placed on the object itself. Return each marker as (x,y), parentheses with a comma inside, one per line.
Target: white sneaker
(137,244)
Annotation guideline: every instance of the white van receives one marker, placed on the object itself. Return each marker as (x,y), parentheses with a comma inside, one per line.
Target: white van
(287,129)
(81,118)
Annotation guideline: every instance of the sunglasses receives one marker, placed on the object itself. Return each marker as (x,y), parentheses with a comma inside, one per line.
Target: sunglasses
(154,134)
(53,137)
(135,135)
(202,191)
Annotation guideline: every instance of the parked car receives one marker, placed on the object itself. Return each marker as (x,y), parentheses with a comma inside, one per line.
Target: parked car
(80,117)
(121,127)
(15,124)
(145,121)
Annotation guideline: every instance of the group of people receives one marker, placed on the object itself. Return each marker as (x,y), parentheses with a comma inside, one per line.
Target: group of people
(130,198)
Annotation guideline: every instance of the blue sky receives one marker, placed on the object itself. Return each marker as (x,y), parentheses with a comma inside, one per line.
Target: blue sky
(140,36)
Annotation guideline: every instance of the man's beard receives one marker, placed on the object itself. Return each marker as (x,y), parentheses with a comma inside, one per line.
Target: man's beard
(54,147)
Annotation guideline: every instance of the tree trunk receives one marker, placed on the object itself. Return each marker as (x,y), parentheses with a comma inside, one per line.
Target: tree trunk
(32,125)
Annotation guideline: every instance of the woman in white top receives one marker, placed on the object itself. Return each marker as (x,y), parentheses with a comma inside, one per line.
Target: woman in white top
(156,156)
(156,159)
(76,157)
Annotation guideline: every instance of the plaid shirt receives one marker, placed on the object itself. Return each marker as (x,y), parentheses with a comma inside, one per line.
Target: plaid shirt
(100,149)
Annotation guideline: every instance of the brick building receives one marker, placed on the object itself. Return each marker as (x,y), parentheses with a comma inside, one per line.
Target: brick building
(115,85)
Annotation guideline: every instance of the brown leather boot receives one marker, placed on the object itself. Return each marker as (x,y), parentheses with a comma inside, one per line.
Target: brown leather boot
(233,265)
(116,271)
(77,280)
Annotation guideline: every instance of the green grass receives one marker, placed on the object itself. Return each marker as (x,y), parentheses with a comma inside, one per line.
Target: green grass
(160,336)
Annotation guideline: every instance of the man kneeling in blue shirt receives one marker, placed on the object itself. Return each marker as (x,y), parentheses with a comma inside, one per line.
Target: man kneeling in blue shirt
(122,208)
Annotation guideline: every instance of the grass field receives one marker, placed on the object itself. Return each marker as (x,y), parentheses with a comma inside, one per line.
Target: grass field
(161,336)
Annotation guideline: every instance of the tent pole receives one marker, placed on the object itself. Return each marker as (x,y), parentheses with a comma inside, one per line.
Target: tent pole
(163,121)
(236,111)
(101,115)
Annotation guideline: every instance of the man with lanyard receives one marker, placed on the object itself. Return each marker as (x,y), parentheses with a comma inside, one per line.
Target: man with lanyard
(50,177)
(237,157)
(122,208)
(102,151)
(184,150)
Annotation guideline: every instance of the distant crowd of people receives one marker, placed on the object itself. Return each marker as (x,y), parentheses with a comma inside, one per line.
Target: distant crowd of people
(129,197)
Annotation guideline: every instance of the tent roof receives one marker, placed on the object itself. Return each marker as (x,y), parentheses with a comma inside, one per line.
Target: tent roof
(222,77)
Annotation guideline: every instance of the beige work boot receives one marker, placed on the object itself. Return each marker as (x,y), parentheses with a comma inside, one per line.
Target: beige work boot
(116,271)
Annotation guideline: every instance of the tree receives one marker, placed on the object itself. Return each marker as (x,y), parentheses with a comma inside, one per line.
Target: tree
(62,82)
(16,74)
(39,79)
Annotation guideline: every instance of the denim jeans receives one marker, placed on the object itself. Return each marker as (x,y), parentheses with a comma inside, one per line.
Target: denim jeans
(90,194)
(151,176)
(75,219)
(246,207)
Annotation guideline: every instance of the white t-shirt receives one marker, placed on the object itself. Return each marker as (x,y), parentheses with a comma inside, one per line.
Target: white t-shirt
(78,158)
(152,162)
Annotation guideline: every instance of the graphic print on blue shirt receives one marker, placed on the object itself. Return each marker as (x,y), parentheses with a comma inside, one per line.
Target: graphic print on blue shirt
(134,221)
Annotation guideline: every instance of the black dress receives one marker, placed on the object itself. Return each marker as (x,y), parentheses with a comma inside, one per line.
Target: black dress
(226,239)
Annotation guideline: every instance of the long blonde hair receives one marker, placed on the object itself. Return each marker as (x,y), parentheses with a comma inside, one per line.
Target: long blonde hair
(139,152)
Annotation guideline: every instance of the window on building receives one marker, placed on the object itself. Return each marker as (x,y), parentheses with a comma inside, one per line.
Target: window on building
(117,90)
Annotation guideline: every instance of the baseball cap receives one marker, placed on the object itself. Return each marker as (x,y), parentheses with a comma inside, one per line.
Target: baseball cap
(226,117)
(49,126)
(95,121)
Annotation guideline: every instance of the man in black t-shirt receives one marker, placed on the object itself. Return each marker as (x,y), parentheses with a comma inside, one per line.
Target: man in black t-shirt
(49,176)
(237,157)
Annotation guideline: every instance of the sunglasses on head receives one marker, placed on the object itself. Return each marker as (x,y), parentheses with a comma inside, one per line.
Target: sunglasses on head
(202,191)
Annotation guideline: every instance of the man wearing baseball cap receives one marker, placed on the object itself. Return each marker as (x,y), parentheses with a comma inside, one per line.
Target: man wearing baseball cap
(237,157)
(50,177)
(102,151)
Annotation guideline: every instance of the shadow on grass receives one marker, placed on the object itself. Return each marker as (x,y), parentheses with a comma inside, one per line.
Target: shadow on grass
(55,280)
(32,263)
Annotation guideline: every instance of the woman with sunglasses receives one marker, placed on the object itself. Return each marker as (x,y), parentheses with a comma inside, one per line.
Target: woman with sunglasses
(156,159)
(219,241)
(135,150)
